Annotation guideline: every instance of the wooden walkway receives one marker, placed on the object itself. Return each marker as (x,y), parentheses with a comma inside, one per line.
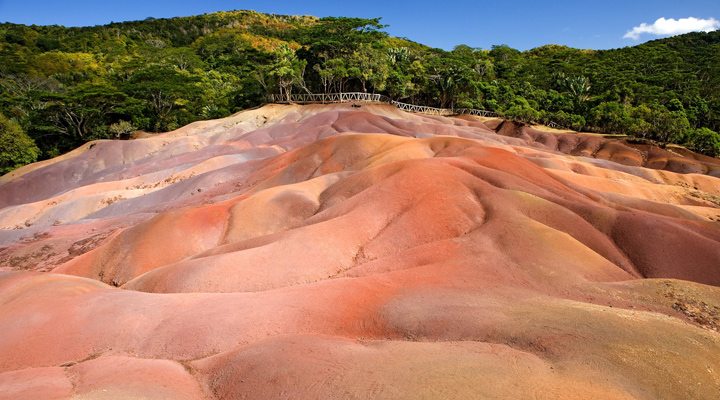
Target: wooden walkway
(359,97)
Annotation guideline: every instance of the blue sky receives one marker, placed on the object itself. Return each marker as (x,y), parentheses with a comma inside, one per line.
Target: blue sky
(522,24)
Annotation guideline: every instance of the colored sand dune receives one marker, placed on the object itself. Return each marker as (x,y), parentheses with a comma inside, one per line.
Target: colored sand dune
(343,252)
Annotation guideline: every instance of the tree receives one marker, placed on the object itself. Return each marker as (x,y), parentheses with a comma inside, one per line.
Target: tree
(217,89)
(704,140)
(342,48)
(370,67)
(82,113)
(16,147)
(288,71)
(407,75)
(577,87)
(572,121)
(333,74)
(522,111)
(611,117)
(447,78)
(507,61)
(168,96)
(68,85)
(21,95)
(121,128)
(669,126)
(181,58)
(339,37)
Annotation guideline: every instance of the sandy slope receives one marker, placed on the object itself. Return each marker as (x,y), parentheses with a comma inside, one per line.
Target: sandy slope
(340,252)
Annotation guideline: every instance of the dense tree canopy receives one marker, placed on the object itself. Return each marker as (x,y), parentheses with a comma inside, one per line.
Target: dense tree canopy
(64,86)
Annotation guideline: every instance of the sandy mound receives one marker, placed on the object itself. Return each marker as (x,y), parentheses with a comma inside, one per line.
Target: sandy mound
(340,252)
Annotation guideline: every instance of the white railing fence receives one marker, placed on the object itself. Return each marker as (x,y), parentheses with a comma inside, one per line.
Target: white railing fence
(328,98)
(325,98)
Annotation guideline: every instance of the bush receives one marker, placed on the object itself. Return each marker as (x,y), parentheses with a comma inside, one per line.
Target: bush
(522,111)
(577,122)
(16,147)
(669,127)
(572,121)
(121,128)
(522,114)
(704,140)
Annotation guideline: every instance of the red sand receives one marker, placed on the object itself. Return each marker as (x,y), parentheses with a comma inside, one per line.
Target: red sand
(335,252)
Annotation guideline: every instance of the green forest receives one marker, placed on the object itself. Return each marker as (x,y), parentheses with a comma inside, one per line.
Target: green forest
(61,87)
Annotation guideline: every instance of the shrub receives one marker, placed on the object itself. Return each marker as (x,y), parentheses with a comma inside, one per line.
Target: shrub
(16,147)
(704,140)
(121,128)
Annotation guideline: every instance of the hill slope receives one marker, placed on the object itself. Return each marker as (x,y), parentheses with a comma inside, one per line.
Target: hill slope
(66,86)
(335,251)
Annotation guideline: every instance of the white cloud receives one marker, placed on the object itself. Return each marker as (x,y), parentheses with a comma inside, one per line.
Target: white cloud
(672,26)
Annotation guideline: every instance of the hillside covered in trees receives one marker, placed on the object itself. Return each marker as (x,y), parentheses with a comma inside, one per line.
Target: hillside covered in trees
(60,87)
